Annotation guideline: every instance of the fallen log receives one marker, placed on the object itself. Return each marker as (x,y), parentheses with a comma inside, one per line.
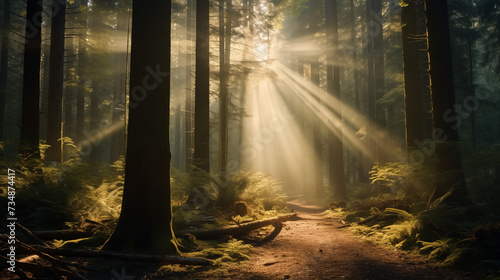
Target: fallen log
(62,234)
(238,230)
(82,253)
(277,229)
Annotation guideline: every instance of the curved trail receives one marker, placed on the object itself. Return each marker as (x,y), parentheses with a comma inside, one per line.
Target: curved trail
(314,248)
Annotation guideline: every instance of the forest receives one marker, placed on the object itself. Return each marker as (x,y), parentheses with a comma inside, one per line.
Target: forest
(250,139)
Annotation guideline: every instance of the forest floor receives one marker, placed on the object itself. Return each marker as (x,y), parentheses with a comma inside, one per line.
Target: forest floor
(312,247)
(315,248)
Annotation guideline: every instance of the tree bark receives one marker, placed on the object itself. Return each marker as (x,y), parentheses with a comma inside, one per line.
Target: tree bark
(450,176)
(202,88)
(145,223)
(30,123)
(336,148)
(56,75)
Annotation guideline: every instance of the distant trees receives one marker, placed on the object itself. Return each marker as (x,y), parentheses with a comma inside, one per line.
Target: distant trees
(145,223)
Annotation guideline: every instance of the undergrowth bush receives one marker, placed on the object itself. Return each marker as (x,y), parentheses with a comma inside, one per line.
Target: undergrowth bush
(54,195)
(263,194)
(263,191)
(223,255)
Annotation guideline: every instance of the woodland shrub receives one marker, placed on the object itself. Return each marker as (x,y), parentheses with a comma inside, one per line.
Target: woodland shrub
(54,195)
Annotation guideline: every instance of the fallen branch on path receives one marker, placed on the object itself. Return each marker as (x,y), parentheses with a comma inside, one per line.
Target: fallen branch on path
(242,229)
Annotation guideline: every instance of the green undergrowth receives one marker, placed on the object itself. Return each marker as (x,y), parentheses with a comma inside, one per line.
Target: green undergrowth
(454,235)
(224,256)
(51,195)
(263,196)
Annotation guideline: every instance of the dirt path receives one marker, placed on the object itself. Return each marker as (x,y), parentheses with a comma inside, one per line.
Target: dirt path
(314,248)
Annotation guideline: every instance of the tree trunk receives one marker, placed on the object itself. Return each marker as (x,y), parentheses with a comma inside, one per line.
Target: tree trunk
(357,156)
(413,96)
(371,90)
(4,66)
(56,75)
(80,95)
(246,50)
(189,84)
(202,88)
(30,124)
(70,96)
(222,93)
(336,148)
(450,176)
(176,161)
(378,68)
(145,223)
(318,148)
(120,93)
(95,118)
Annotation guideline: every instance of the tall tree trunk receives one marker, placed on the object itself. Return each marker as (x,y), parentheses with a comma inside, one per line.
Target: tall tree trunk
(376,87)
(222,93)
(248,4)
(413,96)
(318,148)
(202,88)
(80,95)
(357,156)
(357,104)
(70,96)
(378,68)
(450,176)
(176,161)
(225,100)
(54,118)
(145,223)
(119,97)
(336,148)
(95,118)
(4,65)
(371,91)
(189,83)
(30,124)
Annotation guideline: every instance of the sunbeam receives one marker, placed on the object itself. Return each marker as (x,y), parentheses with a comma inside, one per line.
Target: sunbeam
(278,138)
